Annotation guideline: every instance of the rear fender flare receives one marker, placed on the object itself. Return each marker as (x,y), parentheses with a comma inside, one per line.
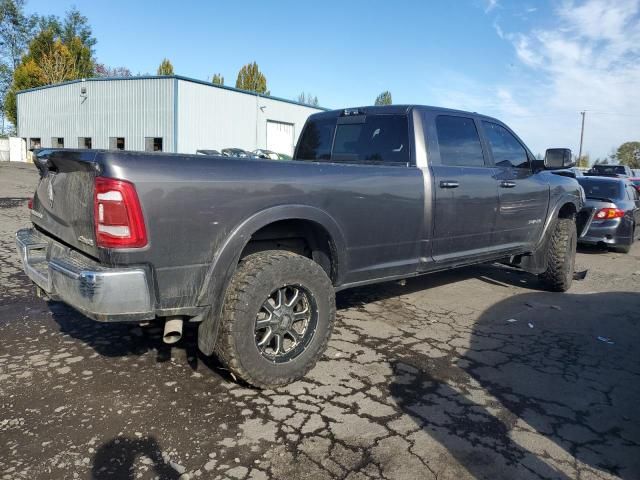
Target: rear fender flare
(226,258)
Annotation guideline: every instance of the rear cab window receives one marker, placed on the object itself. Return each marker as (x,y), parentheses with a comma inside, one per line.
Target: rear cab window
(375,138)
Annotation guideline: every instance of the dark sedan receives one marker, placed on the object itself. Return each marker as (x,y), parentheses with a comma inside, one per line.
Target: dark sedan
(613,206)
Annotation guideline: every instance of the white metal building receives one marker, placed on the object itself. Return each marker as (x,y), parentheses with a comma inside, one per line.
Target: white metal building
(167,113)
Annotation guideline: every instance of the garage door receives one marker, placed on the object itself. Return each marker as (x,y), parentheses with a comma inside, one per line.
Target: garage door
(280,137)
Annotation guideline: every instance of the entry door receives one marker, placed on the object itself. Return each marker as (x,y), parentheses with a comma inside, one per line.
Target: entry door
(466,197)
(280,137)
(523,196)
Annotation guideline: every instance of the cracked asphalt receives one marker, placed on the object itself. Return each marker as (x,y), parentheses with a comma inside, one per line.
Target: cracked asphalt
(475,373)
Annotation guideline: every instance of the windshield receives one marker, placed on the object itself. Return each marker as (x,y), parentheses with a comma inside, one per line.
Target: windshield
(602,189)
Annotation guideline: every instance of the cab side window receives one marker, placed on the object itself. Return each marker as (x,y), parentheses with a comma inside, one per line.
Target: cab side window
(507,150)
(459,142)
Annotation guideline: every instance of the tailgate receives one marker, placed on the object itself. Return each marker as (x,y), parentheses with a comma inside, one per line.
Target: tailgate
(63,203)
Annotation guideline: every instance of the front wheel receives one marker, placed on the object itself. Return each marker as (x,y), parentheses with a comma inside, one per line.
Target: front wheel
(277,318)
(561,256)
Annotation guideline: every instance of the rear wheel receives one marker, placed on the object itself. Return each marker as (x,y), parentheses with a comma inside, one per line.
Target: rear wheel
(561,255)
(277,318)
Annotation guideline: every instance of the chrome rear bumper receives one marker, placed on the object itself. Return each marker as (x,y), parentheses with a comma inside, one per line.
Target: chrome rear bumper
(101,293)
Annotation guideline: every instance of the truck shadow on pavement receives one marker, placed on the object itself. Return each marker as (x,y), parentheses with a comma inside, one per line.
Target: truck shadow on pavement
(116,459)
(548,388)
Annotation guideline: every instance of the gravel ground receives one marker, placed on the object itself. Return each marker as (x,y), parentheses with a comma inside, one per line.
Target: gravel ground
(475,373)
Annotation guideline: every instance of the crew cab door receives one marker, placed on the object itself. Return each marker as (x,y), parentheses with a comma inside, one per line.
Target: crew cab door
(370,186)
(465,192)
(523,197)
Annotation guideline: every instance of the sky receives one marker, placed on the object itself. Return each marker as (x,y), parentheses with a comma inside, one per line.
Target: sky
(534,64)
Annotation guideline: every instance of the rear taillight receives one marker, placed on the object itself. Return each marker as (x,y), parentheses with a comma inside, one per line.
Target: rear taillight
(117,215)
(609,213)
(30,204)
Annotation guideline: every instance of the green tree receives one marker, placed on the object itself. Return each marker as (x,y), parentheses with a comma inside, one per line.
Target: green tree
(74,31)
(48,60)
(629,154)
(217,79)
(308,99)
(384,98)
(165,67)
(251,78)
(16,29)
(583,161)
(38,50)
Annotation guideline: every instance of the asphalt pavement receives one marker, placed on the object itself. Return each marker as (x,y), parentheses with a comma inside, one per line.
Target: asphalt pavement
(474,373)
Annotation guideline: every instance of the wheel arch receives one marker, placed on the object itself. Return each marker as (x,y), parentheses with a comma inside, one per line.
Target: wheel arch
(567,206)
(227,257)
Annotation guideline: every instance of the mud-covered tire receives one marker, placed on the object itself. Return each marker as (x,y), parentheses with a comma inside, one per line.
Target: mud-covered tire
(561,255)
(254,281)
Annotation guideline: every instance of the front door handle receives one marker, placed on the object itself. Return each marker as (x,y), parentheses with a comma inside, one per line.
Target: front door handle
(449,184)
(507,184)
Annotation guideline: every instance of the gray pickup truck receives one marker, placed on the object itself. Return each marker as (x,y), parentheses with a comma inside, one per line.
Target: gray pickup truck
(254,250)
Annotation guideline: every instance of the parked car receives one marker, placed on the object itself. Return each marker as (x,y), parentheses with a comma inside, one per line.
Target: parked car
(613,208)
(284,156)
(610,170)
(236,152)
(207,152)
(263,153)
(254,250)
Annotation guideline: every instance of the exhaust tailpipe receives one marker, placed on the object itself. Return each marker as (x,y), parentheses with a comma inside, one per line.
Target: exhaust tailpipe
(172,330)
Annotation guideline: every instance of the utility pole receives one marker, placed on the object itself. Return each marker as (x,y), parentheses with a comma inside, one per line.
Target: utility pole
(581,136)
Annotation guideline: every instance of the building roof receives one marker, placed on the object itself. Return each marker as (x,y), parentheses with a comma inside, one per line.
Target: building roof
(164,77)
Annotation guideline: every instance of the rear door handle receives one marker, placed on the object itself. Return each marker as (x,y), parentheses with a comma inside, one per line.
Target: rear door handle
(507,184)
(449,184)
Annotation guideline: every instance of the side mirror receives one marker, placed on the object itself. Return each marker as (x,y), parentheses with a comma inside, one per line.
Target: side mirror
(557,158)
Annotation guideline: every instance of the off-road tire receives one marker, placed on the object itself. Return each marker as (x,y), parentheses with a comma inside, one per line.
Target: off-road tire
(561,255)
(255,278)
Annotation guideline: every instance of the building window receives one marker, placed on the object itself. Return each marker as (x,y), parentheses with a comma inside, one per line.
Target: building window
(57,142)
(116,143)
(84,142)
(34,143)
(153,144)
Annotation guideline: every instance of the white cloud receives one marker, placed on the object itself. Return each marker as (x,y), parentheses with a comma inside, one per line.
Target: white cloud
(490,5)
(587,58)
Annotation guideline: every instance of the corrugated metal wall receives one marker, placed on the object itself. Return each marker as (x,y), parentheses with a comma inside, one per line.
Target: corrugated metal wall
(216,118)
(207,117)
(133,109)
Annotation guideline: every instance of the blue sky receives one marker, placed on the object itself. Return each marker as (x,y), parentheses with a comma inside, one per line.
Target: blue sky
(533,64)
